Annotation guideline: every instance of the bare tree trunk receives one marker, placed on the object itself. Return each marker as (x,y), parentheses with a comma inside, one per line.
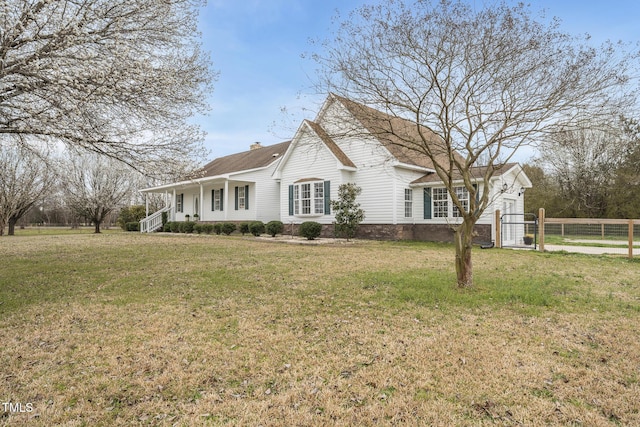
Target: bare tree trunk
(97,227)
(464,243)
(12,226)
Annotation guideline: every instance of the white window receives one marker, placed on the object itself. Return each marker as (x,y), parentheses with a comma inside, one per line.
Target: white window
(408,203)
(305,198)
(440,203)
(241,197)
(179,202)
(463,196)
(217,200)
(318,197)
(309,198)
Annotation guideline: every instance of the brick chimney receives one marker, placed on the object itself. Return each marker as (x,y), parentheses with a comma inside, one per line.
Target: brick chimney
(255,146)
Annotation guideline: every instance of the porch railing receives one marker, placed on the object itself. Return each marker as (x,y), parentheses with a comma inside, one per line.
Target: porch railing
(154,221)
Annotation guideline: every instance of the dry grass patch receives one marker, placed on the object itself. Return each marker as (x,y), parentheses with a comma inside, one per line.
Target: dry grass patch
(166,330)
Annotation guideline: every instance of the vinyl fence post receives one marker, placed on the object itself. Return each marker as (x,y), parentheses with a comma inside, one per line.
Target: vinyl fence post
(541,219)
(630,239)
(498,225)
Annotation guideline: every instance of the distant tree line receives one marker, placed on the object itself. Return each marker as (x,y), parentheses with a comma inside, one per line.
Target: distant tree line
(590,173)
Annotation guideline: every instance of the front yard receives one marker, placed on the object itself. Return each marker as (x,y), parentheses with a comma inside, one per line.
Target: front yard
(121,329)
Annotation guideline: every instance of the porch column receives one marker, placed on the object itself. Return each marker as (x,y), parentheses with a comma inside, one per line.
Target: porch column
(173,206)
(200,207)
(226,196)
(146,204)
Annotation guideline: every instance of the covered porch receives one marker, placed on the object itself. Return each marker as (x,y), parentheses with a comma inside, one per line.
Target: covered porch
(213,199)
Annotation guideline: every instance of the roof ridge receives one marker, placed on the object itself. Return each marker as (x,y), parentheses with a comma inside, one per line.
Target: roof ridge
(245,160)
(398,135)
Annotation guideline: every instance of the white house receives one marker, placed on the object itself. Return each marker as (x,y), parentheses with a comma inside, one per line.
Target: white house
(294,181)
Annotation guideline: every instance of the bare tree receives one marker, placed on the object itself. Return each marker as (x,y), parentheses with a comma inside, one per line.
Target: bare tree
(583,164)
(477,84)
(116,77)
(95,186)
(25,177)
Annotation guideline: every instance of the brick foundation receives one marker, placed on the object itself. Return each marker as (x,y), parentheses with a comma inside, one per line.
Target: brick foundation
(422,232)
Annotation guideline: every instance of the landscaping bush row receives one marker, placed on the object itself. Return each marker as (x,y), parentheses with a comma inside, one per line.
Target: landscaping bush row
(308,229)
(256,228)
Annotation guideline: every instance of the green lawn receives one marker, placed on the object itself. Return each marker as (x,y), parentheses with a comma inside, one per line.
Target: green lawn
(51,231)
(166,329)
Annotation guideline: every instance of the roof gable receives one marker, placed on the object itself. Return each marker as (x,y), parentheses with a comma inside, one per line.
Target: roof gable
(344,162)
(401,137)
(330,143)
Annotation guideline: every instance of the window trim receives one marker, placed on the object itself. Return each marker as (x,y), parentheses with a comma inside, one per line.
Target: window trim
(217,199)
(316,204)
(408,203)
(242,198)
(455,212)
(180,202)
(441,205)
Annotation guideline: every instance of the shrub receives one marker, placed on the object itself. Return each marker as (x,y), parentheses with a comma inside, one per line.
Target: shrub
(347,211)
(207,228)
(310,229)
(217,227)
(130,214)
(166,227)
(197,228)
(256,228)
(244,228)
(188,227)
(165,218)
(274,227)
(132,226)
(175,227)
(228,228)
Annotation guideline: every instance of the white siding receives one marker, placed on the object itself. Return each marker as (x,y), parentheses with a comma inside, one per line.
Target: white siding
(310,158)
(382,183)
(264,203)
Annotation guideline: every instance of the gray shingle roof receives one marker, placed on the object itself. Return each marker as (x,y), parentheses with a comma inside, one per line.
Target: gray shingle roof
(247,160)
(403,138)
(331,145)
(476,172)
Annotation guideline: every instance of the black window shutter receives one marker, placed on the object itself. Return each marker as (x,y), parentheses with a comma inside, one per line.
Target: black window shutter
(427,203)
(236,198)
(327,197)
(213,200)
(222,199)
(246,197)
(291,200)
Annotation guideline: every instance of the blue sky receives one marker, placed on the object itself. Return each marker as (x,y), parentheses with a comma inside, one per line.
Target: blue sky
(257,46)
